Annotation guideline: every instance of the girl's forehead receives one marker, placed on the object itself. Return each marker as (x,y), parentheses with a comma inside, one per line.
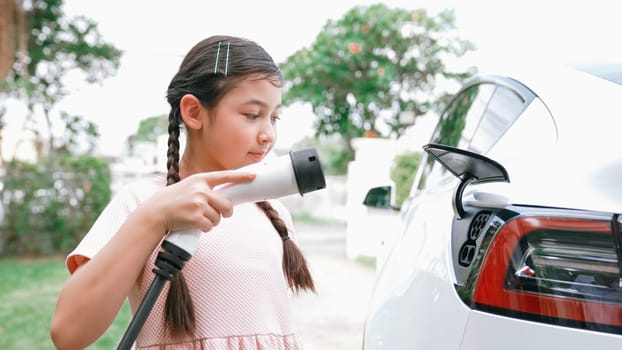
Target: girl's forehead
(260,92)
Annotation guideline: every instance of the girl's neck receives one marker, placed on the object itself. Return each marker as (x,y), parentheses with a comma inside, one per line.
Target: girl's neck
(188,167)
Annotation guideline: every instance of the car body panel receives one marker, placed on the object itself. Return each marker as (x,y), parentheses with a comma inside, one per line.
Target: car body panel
(486,331)
(423,258)
(559,153)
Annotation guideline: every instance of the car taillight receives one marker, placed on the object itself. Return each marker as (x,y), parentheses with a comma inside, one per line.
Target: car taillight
(558,270)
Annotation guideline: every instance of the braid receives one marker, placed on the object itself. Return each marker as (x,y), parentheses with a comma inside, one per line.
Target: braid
(197,76)
(172,154)
(294,263)
(178,311)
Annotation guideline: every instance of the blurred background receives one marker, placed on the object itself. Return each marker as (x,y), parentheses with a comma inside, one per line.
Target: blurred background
(83,110)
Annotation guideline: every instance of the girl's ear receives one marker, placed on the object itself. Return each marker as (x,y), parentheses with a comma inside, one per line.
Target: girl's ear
(191,111)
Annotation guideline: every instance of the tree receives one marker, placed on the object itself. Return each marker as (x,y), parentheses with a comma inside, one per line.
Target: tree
(44,47)
(12,45)
(373,67)
(403,173)
(13,38)
(333,153)
(51,203)
(150,128)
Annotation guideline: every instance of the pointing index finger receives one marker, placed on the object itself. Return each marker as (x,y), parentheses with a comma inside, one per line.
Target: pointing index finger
(228,176)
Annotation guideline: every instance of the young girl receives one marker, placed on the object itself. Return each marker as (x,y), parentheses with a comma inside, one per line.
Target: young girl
(233,292)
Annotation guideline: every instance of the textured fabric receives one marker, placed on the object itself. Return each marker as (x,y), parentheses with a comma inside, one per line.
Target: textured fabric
(235,277)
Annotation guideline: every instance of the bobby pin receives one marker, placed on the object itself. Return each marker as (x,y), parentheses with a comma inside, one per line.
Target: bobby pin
(227,59)
(217,54)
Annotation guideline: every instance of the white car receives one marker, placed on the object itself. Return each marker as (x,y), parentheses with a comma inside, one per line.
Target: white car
(510,238)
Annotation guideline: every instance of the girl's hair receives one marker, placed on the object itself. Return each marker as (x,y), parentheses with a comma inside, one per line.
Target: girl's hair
(212,68)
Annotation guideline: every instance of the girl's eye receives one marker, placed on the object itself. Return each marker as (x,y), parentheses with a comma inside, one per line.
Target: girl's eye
(275,118)
(252,116)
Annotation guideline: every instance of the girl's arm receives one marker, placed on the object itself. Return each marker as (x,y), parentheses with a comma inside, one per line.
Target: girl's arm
(94,294)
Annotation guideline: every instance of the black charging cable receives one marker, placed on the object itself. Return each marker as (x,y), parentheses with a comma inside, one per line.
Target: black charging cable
(169,262)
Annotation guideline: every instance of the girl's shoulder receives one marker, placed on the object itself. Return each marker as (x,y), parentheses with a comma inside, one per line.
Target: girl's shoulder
(146,181)
(140,188)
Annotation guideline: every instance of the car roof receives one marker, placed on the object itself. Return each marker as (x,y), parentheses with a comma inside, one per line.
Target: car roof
(611,71)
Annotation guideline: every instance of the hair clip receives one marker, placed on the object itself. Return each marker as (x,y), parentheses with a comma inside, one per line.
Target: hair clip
(227,59)
(285,238)
(217,54)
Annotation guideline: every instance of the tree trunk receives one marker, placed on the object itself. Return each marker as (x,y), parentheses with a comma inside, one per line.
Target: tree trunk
(14,34)
(7,37)
(22,30)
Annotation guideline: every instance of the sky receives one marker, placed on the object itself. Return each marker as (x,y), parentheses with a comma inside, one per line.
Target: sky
(154,36)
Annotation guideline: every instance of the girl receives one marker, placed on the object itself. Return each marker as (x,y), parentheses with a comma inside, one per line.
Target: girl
(233,292)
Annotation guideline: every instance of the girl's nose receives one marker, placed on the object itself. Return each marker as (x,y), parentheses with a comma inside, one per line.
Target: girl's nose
(267,134)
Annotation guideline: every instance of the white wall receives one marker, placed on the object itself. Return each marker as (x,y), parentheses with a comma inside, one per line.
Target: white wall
(371,167)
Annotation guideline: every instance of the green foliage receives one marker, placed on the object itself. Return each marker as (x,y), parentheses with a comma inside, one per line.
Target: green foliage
(56,45)
(334,154)
(338,159)
(453,123)
(28,291)
(150,128)
(51,204)
(451,126)
(371,66)
(403,173)
(79,137)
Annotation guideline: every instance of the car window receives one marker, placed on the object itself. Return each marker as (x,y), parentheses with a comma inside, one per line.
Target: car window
(476,119)
(502,110)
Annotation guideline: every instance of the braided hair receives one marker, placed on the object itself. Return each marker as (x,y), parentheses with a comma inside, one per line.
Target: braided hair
(207,73)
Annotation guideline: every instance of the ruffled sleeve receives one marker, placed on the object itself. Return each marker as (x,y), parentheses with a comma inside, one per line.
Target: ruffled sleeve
(111,219)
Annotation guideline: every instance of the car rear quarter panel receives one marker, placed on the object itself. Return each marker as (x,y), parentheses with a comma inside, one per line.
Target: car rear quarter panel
(486,331)
(415,305)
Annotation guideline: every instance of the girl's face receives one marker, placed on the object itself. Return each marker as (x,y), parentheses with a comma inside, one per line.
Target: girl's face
(241,130)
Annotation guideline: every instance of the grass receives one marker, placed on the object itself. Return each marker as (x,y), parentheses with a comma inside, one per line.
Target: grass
(367,261)
(28,293)
(308,218)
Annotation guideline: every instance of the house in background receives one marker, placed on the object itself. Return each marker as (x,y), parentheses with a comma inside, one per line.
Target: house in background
(367,228)
(137,159)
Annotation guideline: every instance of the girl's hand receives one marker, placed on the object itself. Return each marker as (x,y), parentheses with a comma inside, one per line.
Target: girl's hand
(192,204)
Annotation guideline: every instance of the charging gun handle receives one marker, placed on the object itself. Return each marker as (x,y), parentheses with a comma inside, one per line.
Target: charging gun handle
(297,172)
(272,180)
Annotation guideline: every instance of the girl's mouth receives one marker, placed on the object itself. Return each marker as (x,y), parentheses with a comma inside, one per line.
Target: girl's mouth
(257,155)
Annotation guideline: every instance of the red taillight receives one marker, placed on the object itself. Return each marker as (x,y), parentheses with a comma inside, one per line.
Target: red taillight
(557,270)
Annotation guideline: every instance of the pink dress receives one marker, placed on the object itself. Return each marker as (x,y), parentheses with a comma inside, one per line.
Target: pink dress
(235,277)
